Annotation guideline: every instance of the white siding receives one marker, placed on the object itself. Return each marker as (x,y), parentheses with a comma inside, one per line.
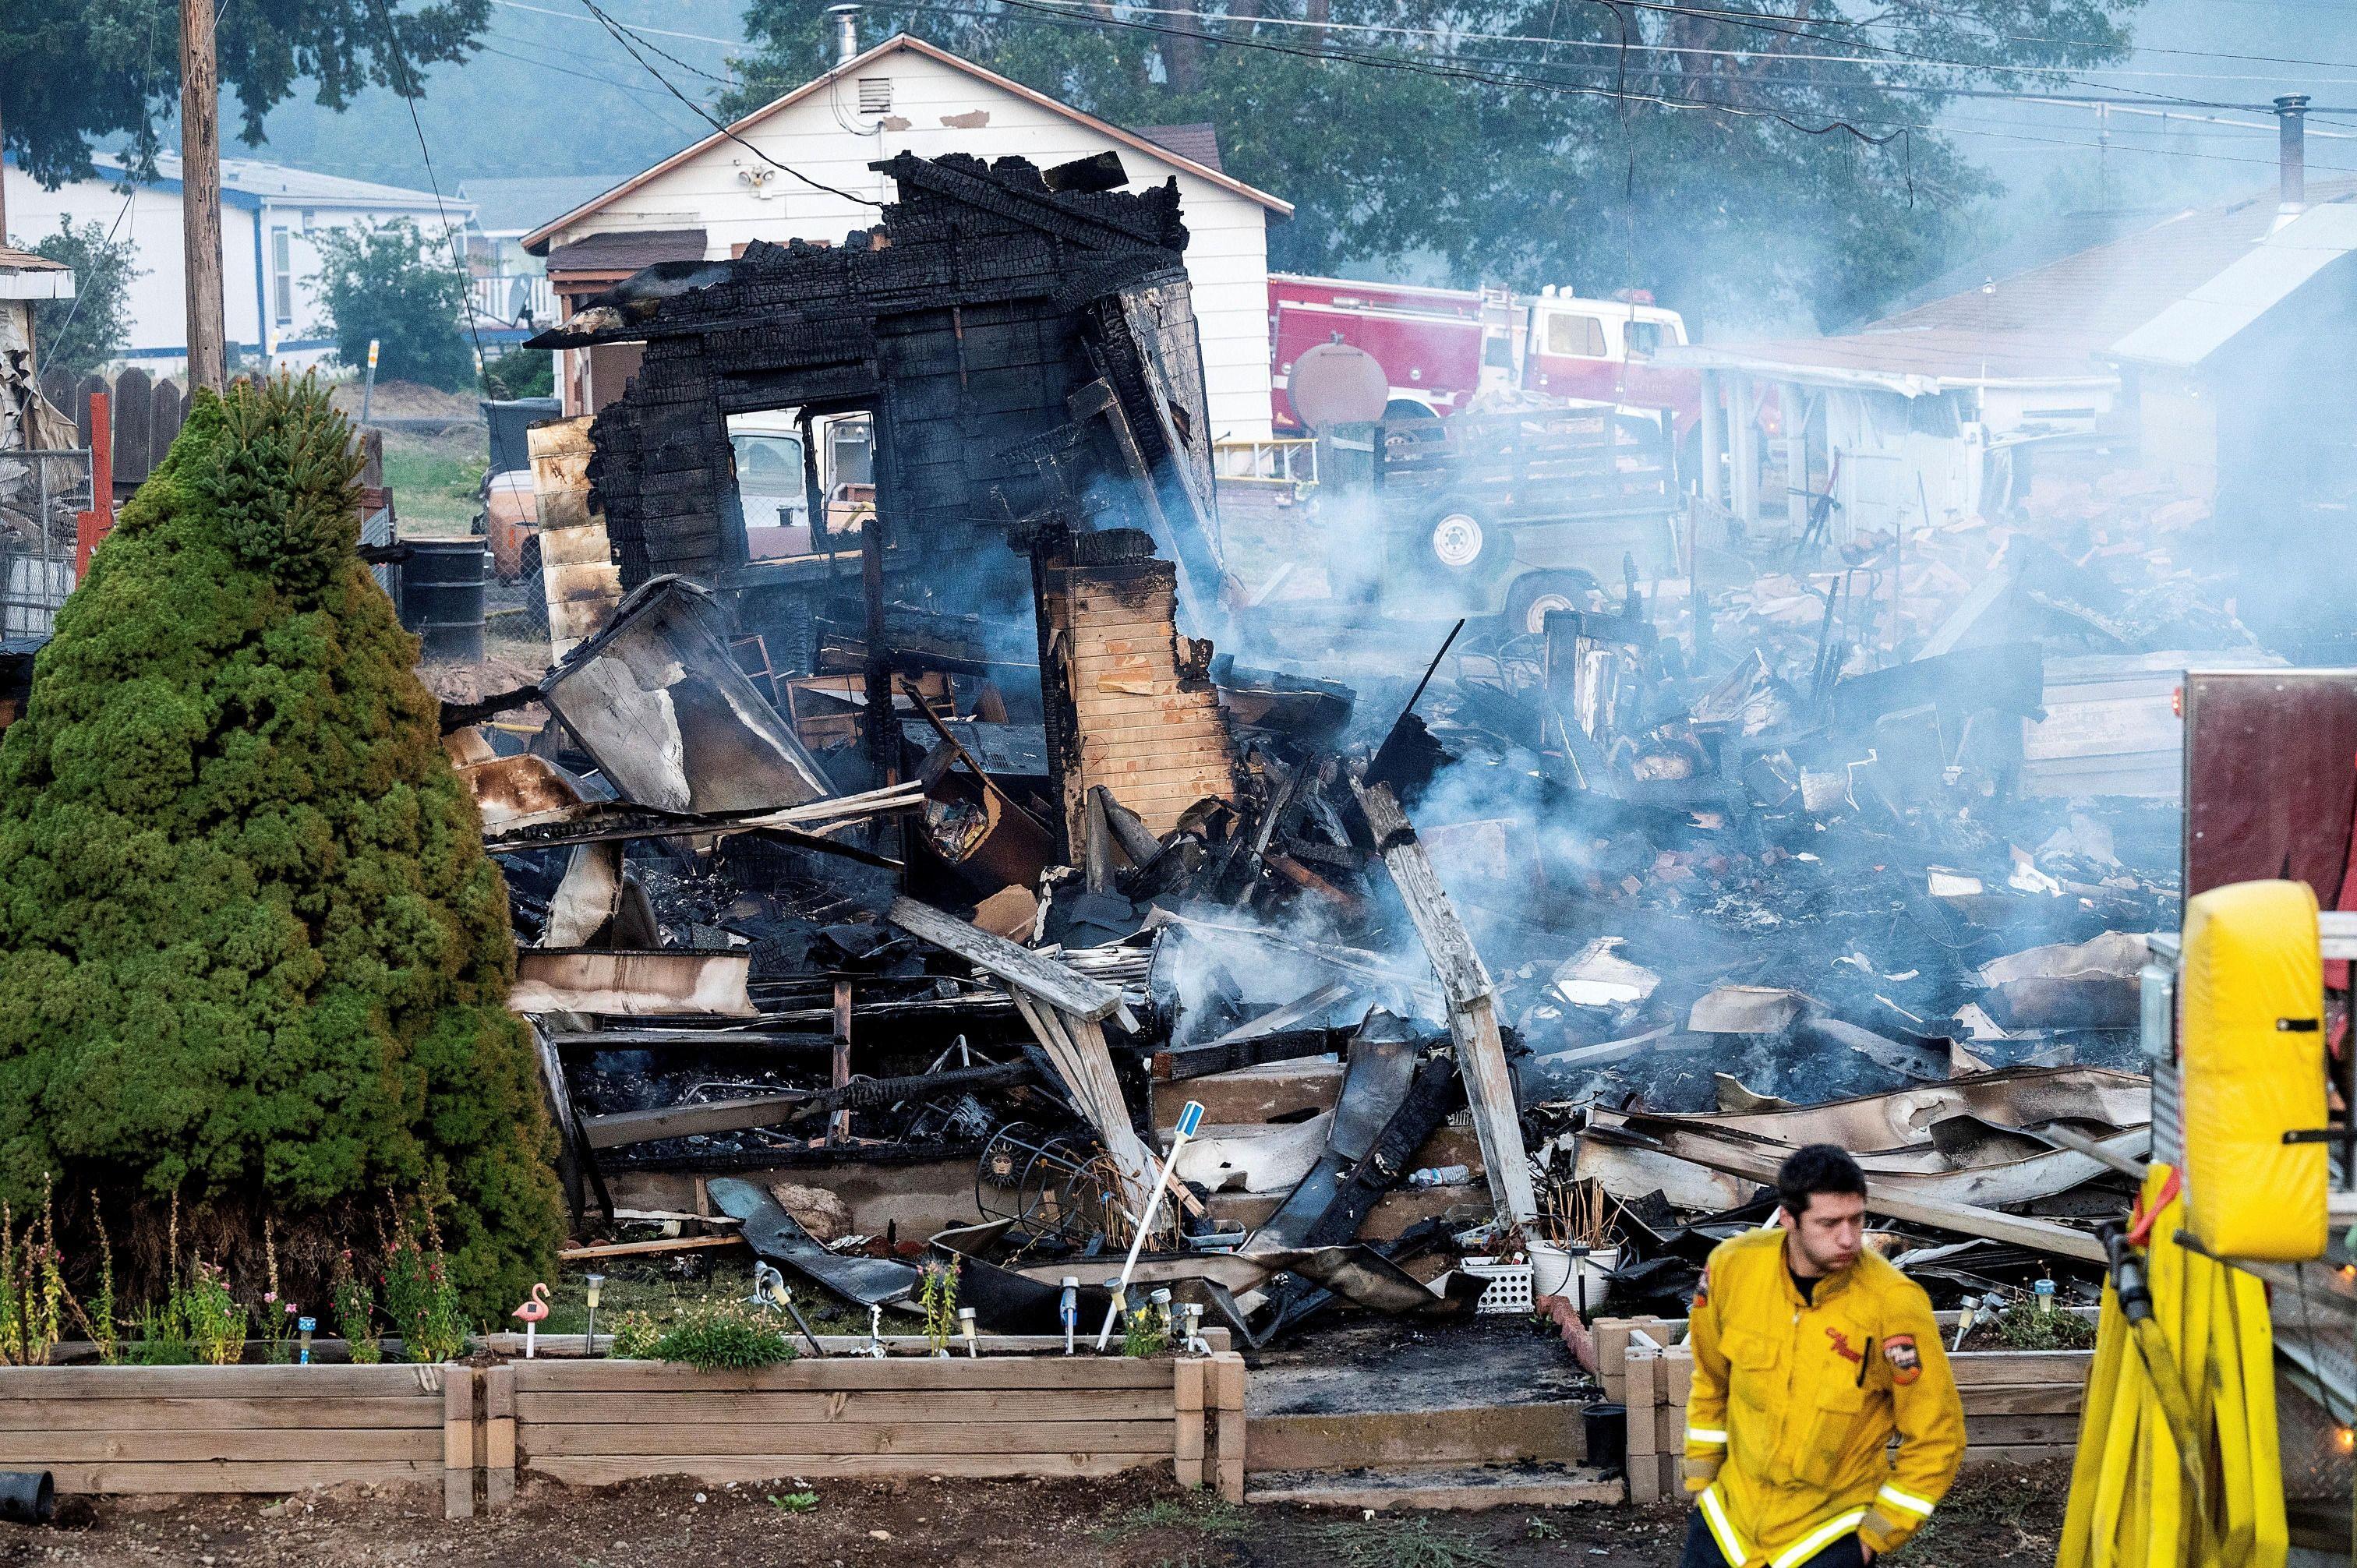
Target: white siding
(158,303)
(823,136)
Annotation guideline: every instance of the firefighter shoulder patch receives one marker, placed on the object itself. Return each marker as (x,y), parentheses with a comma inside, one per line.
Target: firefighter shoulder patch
(1906,1363)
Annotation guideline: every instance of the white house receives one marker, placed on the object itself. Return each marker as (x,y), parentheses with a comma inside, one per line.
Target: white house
(270,262)
(710,201)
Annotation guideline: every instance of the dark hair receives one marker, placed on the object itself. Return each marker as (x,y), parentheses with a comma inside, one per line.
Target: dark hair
(1818,1167)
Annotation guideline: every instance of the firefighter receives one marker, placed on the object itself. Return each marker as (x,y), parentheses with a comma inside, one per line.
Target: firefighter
(1809,1353)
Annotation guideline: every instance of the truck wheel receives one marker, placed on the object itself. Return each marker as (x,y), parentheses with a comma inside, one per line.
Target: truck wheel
(1536,594)
(1465,543)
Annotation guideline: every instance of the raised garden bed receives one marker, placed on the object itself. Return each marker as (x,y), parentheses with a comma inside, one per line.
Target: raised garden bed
(283,1429)
(596,1422)
(232,1429)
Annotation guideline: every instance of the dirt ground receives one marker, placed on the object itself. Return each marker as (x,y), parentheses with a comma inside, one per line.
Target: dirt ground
(1994,1518)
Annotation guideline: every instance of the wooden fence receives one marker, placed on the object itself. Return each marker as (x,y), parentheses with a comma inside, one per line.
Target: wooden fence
(285,1429)
(2020,1406)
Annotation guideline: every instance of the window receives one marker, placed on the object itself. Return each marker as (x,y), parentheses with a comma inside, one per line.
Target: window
(281,277)
(1579,337)
(1498,351)
(875,95)
(1644,339)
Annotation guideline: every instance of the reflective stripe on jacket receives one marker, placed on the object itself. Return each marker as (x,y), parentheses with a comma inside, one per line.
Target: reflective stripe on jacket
(1795,1403)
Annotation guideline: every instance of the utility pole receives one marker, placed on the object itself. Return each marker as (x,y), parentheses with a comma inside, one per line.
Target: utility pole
(4,186)
(200,233)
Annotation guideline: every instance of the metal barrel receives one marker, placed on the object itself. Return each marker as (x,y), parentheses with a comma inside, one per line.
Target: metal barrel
(442,597)
(27,1497)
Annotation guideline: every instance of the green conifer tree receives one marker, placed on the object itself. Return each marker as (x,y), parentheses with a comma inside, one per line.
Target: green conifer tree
(250,945)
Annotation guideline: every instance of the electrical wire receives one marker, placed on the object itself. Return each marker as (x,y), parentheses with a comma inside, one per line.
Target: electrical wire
(1051,13)
(1490,78)
(640,29)
(413,91)
(621,36)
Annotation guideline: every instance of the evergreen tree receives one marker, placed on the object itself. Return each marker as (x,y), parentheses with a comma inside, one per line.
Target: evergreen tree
(251,949)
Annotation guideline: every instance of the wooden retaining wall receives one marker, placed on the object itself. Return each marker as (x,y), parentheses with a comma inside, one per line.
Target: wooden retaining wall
(594,1423)
(232,1429)
(468,1430)
(2020,1407)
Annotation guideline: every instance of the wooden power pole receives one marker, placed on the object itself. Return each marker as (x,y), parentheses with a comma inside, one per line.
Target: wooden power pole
(201,227)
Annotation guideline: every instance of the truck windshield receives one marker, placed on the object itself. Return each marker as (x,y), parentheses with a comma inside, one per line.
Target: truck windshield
(1644,339)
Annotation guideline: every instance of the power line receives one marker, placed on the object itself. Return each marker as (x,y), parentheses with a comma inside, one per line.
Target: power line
(621,37)
(402,73)
(634,89)
(1389,63)
(1055,16)
(638,28)
(1452,35)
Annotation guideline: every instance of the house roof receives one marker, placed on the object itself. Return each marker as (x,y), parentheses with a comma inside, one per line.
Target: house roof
(1198,142)
(628,250)
(505,205)
(27,275)
(2068,319)
(282,184)
(2263,277)
(902,42)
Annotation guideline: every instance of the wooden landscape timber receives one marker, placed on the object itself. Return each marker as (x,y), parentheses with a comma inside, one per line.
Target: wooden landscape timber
(472,1431)
(137,1430)
(598,1423)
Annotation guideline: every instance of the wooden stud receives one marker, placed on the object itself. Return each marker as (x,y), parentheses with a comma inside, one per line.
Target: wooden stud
(838,1128)
(1472,1005)
(457,1442)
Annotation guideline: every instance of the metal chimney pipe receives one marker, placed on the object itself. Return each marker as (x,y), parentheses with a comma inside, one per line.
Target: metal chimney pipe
(2291,148)
(847,34)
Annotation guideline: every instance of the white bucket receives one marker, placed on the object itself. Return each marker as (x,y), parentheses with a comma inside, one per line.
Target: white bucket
(1555,1271)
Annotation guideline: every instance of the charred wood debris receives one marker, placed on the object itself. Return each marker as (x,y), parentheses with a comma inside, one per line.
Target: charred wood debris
(1557,942)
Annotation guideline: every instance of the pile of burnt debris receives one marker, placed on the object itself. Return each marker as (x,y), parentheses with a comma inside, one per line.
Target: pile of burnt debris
(1550,957)
(966,898)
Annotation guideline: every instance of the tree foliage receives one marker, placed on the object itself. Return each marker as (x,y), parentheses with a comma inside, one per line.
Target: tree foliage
(81,334)
(250,945)
(73,73)
(389,283)
(1517,142)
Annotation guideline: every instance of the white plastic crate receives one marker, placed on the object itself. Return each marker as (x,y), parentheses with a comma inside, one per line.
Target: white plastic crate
(1509,1289)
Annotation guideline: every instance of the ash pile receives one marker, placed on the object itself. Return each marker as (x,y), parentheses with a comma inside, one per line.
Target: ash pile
(919,877)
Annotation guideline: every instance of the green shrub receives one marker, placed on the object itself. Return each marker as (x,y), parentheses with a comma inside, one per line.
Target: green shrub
(250,943)
(723,1334)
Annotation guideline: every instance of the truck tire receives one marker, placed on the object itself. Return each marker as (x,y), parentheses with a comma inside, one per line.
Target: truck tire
(1464,544)
(1535,594)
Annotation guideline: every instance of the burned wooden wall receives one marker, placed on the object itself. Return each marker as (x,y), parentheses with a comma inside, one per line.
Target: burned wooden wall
(962,321)
(1129,704)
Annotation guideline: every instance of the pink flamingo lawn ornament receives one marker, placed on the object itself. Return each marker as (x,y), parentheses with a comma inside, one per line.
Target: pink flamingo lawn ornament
(534,1309)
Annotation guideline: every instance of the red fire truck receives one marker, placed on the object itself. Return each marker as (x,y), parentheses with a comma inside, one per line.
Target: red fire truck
(1440,346)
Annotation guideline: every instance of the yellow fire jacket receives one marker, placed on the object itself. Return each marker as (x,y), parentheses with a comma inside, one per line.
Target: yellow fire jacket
(1794,1402)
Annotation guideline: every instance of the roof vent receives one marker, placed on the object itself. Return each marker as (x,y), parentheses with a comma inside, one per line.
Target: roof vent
(875,95)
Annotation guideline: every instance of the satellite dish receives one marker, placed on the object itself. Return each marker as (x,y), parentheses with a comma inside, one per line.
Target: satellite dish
(1335,383)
